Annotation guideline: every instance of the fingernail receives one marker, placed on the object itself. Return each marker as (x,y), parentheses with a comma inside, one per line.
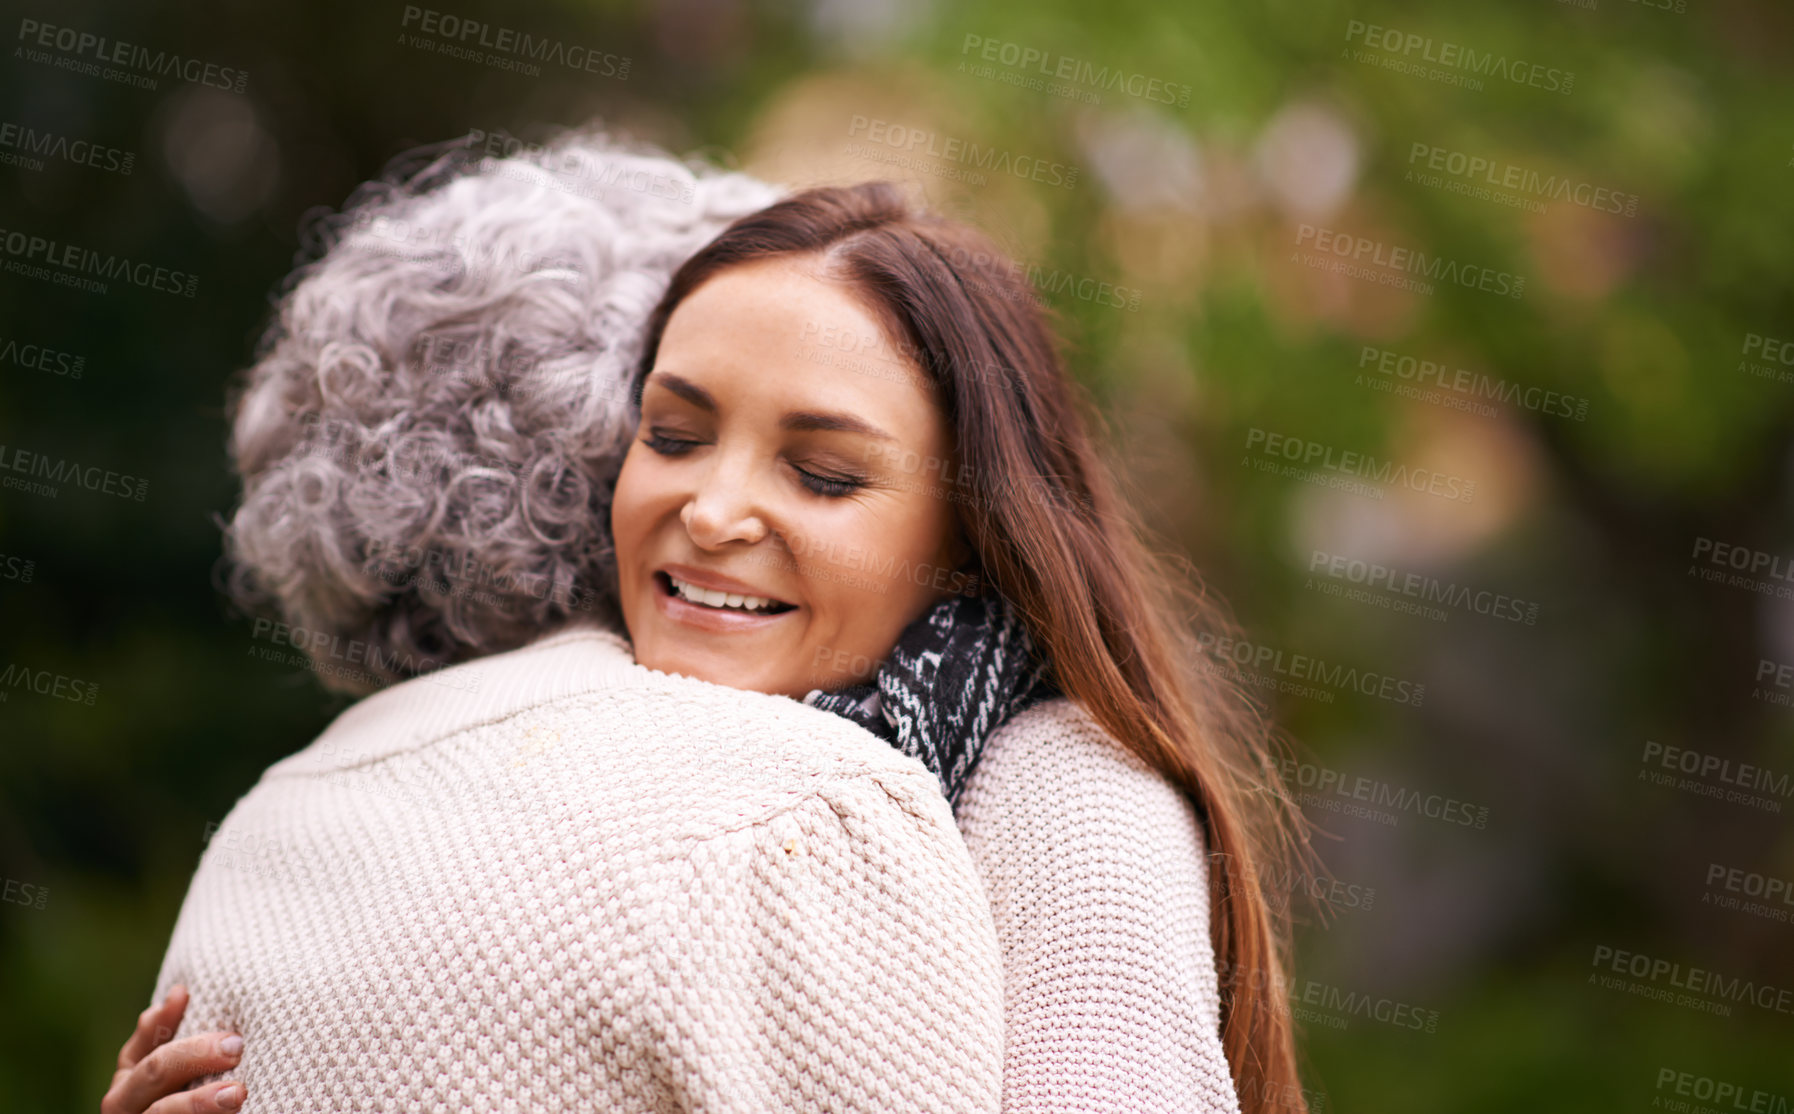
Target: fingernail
(231,1045)
(231,1097)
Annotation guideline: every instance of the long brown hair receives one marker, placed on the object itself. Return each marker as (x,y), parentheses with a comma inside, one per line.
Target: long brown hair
(1060,543)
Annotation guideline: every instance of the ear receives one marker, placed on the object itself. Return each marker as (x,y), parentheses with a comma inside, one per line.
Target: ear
(960,555)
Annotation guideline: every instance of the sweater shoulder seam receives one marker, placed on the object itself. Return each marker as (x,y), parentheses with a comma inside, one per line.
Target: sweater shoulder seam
(420,744)
(816,791)
(811,796)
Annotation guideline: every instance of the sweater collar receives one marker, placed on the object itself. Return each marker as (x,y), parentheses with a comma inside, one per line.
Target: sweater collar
(423,709)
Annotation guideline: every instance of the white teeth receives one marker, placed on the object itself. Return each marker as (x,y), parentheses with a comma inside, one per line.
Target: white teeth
(711,598)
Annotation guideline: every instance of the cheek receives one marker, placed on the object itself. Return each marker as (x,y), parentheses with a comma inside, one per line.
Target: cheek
(630,508)
(871,576)
(930,525)
(622,502)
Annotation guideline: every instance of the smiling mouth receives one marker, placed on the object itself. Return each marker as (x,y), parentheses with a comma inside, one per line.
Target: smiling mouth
(670,585)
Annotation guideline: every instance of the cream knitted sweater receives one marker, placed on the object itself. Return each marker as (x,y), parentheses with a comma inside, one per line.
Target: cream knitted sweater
(1097,876)
(554,880)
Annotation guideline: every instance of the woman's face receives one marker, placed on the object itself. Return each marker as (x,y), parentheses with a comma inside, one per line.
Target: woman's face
(762,467)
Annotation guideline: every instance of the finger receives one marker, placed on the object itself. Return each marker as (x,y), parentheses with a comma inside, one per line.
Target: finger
(173,1066)
(214,1097)
(154,1026)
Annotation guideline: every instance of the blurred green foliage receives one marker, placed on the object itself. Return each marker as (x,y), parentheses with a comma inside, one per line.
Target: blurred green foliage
(1293,117)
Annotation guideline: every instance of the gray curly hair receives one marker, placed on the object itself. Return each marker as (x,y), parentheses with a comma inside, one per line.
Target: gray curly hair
(429,436)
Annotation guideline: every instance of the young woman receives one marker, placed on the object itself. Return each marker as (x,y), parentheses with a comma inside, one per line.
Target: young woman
(1094,865)
(941,556)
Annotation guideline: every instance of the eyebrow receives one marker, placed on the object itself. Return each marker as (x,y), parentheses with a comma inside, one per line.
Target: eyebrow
(794,421)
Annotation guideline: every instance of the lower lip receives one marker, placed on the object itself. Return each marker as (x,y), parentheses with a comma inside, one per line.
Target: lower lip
(682,610)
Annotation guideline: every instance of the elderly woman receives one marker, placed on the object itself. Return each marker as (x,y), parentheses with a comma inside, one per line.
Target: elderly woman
(936,555)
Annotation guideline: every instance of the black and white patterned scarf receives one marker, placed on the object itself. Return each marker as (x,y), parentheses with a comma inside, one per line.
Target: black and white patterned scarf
(955,675)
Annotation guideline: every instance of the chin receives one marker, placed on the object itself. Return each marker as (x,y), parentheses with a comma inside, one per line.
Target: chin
(715,668)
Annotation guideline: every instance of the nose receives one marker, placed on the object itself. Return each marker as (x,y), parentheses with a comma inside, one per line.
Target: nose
(724,509)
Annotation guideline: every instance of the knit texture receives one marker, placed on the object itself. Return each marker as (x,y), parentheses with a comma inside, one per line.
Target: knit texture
(554,880)
(1095,869)
(956,674)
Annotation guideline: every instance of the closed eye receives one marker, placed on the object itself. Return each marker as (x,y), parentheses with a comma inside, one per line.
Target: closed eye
(831,487)
(834,487)
(667,446)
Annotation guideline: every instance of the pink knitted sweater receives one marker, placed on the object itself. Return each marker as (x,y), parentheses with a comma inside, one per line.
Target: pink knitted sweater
(555,880)
(1096,873)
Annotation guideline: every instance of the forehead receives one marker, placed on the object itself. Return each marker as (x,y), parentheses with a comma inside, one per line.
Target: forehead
(781,332)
